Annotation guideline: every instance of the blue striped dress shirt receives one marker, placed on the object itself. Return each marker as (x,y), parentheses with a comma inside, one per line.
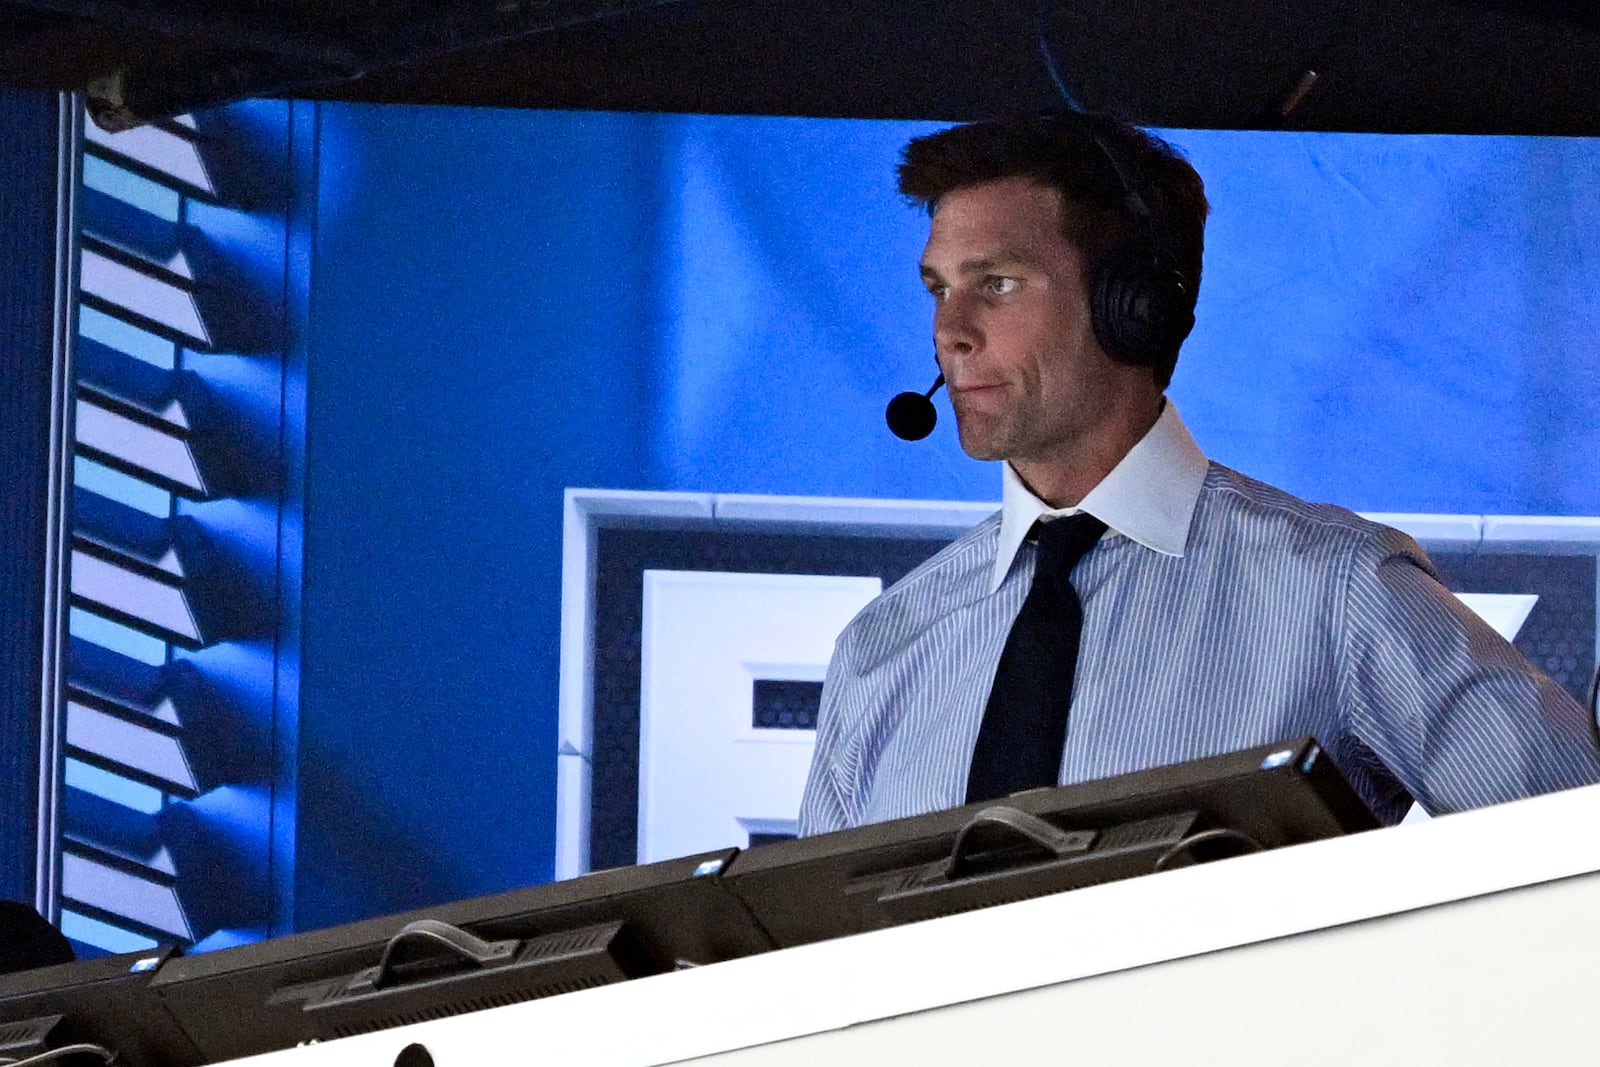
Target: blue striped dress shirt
(1219,613)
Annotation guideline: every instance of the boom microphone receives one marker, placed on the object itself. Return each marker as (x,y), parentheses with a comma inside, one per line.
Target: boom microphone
(911,416)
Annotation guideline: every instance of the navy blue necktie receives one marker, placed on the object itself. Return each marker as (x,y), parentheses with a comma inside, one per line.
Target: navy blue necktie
(1024,729)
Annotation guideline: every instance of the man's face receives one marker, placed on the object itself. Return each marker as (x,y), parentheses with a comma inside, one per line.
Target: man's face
(1011,326)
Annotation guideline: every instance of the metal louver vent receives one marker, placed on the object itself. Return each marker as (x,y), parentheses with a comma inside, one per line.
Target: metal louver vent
(165,788)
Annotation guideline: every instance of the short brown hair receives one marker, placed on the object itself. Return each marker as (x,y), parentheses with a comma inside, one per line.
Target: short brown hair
(1094,161)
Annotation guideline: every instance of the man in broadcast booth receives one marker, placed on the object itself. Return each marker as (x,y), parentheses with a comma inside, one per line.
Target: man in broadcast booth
(1134,604)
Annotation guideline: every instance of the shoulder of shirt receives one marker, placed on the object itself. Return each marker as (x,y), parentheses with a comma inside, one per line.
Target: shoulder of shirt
(1276,511)
(959,569)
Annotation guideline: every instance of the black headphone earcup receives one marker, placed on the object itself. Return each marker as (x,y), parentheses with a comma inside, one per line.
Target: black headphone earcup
(1140,306)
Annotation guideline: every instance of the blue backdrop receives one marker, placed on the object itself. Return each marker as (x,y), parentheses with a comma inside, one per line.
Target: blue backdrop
(504,304)
(1399,324)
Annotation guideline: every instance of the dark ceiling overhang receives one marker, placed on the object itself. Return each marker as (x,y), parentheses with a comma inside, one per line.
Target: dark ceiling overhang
(1436,66)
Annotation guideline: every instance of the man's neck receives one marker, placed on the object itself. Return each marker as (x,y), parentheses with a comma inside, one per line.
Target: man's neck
(1063,479)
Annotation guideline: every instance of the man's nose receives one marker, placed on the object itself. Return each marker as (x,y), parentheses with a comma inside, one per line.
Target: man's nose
(955,330)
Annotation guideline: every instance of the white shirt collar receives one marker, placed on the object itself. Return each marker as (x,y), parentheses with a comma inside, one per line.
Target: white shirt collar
(1148,497)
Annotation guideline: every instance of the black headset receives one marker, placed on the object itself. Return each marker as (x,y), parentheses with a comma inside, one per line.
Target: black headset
(1141,302)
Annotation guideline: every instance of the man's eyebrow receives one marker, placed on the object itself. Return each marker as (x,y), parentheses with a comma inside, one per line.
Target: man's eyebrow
(984,264)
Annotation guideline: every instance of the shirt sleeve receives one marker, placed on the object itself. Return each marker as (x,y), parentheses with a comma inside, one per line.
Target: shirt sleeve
(822,808)
(1448,705)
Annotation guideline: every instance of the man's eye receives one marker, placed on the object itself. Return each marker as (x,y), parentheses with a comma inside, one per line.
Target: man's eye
(1001,285)
(938,292)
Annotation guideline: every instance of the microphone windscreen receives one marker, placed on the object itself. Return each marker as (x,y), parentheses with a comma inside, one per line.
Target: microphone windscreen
(911,416)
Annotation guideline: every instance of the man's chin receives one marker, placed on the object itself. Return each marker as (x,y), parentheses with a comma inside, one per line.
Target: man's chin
(984,436)
(983,449)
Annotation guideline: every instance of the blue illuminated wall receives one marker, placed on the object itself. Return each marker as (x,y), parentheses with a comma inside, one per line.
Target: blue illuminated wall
(505,304)
(1396,324)
(484,292)
(1402,324)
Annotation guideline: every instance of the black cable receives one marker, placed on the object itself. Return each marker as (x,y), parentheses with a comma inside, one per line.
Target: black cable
(1219,834)
(1047,54)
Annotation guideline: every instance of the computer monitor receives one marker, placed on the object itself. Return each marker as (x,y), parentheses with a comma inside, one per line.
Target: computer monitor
(106,1001)
(636,921)
(479,953)
(1045,841)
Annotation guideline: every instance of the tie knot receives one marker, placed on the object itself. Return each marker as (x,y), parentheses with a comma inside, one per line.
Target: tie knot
(1063,542)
